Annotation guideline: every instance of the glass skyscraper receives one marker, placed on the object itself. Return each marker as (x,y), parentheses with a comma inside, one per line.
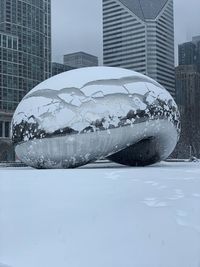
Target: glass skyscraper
(189,53)
(25,52)
(188,97)
(25,59)
(139,35)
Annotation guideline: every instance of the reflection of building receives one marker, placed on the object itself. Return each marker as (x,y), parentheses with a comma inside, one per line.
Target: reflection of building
(93,113)
(25,51)
(80,60)
(139,35)
(59,68)
(188,98)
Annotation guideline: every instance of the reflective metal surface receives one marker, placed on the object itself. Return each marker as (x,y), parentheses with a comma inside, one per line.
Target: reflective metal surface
(82,115)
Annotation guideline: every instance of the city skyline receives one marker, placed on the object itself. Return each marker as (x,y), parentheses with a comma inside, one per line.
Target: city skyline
(85,26)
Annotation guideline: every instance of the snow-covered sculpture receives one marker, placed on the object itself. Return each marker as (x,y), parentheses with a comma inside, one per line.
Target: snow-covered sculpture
(87,114)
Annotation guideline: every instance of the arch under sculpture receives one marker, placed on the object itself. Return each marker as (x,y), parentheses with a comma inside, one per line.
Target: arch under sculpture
(87,114)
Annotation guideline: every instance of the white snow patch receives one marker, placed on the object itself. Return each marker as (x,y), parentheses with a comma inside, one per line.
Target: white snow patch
(99,216)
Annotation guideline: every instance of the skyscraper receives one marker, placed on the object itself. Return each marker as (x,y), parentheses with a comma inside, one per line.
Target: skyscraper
(188,97)
(189,53)
(186,53)
(25,52)
(139,35)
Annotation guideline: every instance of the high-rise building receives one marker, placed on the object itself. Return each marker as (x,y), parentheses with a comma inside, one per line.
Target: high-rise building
(189,53)
(188,91)
(25,53)
(80,60)
(139,35)
(188,98)
(186,53)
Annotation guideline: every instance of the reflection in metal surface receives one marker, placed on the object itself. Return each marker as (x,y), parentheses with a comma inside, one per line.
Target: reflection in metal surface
(82,115)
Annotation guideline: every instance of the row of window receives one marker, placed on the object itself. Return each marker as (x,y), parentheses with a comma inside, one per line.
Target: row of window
(25,15)
(123,51)
(8,41)
(125,57)
(22,64)
(11,94)
(124,39)
(123,33)
(119,29)
(25,52)
(4,129)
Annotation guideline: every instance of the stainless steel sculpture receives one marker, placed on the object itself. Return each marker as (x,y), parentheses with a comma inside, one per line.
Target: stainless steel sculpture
(86,114)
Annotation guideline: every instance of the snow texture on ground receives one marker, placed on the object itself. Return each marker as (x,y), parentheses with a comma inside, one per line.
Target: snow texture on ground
(99,216)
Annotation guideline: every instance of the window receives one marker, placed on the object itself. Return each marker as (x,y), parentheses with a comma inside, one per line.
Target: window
(7,129)
(1,128)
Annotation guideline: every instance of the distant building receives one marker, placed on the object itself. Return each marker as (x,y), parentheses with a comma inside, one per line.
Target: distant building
(139,35)
(186,53)
(58,68)
(189,53)
(25,56)
(188,98)
(196,41)
(80,60)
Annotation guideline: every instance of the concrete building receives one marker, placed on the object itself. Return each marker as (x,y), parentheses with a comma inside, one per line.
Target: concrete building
(139,35)
(80,60)
(74,61)
(25,53)
(188,99)
(58,68)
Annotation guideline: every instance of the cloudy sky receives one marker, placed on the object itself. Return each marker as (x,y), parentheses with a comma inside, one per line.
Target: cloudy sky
(77,25)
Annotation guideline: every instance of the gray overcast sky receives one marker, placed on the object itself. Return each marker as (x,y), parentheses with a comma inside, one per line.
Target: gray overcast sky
(77,25)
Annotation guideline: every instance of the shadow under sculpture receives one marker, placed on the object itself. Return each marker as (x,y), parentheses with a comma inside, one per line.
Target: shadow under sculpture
(87,114)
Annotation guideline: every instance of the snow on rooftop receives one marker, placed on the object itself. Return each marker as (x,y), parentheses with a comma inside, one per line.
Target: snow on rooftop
(101,216)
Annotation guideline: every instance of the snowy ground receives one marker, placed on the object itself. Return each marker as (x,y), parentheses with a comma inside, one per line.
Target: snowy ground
(101,216)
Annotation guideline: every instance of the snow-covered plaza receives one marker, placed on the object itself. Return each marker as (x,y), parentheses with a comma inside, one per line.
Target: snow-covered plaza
(101,215)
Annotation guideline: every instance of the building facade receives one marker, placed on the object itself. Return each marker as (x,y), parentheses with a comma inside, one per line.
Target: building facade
(139,35)
(25,51)
(189,52)
(186,53)
(80,60)
(188,99)
(58,68)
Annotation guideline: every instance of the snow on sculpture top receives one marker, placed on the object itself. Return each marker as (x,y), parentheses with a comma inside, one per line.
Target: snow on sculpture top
(90,100)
